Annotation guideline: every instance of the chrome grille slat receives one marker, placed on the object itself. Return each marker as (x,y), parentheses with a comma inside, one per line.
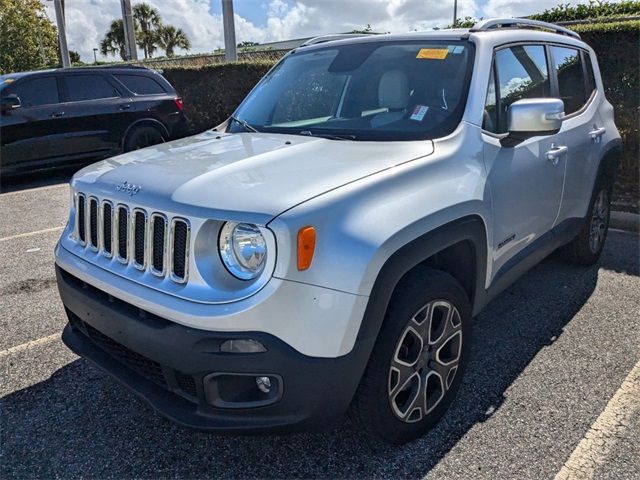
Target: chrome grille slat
(149,241)
(178,251)
(106,233)
(81,212)
(123,233)
(139,238)
(158,243)
(93,223)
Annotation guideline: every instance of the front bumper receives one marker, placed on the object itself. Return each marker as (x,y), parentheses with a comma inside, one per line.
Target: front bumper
(165,363)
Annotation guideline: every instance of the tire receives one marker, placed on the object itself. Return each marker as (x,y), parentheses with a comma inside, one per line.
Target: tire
(586,248)
(142,137)
(398,403)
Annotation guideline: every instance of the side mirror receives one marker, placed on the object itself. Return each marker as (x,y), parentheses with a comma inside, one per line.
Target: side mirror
(533,117)
(9,102)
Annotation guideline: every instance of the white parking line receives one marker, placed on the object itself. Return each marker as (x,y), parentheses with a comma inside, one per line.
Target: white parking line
(28,234)
(28,345)
(35,189)
(608,428)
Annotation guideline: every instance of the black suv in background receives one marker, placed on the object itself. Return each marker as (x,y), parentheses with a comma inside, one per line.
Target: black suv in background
(63,116)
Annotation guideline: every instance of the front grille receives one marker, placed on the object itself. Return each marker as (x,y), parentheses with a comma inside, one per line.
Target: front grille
(123,233)
(140,364)
(81,212)
(93,222)
(180,241)
(148,240)
(159,229)
(139,238)
(186,383)
(107,228)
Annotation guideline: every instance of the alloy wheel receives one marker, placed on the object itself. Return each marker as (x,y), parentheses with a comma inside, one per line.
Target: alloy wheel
(599,221)
(425,361)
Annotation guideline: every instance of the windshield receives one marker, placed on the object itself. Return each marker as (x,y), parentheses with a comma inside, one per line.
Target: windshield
(365,91)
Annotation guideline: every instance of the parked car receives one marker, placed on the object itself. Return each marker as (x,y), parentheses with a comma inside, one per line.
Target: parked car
(59,117)
(326,249)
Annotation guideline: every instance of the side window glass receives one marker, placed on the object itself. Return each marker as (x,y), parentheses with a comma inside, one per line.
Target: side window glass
(571,82)
(141,85)
(591,79)
(88,87)
(490,116)
(36,92)
(522,73)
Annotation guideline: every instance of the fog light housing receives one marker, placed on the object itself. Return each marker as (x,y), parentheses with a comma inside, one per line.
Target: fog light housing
(242,390)
(264,384)
(242,345)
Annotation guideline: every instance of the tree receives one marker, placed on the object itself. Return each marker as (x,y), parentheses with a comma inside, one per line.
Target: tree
(113,42)
(170,37)
(74,57)
(149,23)
(28,39)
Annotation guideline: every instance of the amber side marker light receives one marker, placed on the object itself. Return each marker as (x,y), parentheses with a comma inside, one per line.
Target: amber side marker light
(306,247)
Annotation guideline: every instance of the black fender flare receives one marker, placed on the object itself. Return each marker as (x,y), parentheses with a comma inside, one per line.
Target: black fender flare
(469,228)
(610,161)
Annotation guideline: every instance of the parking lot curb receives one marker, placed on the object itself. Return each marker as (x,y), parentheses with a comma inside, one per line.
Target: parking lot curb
(625,221)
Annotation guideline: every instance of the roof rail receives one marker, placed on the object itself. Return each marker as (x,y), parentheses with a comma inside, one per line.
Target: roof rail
(331,38)
(485,25)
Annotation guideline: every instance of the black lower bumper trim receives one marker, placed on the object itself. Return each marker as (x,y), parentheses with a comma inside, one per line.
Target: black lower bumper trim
(165,364)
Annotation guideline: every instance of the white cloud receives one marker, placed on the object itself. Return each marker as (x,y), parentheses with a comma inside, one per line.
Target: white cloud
(88,20)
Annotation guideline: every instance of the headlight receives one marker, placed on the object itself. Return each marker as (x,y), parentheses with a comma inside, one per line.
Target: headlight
(243,249)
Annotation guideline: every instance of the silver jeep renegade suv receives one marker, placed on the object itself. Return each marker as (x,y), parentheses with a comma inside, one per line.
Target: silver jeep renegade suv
(325,250)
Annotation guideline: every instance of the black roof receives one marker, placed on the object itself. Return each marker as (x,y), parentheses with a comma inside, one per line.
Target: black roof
(126,67)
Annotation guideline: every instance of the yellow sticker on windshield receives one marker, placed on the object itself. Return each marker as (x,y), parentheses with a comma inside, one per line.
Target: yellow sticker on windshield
(8,80)
(433,53)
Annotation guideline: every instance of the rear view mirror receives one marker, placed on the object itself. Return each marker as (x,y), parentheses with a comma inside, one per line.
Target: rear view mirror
(533,117)
(9,102)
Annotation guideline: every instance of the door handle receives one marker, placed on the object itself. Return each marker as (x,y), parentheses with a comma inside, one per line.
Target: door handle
(125,107)
(555,153)
(596,133)
(57,114)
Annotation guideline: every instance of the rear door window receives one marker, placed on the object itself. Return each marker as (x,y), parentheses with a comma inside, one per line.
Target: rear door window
(141,85)
(36,92)
(519,72)
(88,87)
(571,81)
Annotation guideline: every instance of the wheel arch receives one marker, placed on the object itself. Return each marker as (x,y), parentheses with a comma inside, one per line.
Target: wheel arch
(458,248)
(142,122)
(610,161)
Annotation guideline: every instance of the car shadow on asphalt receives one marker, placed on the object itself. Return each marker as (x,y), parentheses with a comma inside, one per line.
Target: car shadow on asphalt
(42,178)
(81,423)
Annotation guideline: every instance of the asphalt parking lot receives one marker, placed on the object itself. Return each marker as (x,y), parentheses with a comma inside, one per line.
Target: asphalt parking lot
(553,388)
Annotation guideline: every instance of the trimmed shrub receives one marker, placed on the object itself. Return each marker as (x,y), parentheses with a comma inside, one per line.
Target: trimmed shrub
(210,94)
(593,9)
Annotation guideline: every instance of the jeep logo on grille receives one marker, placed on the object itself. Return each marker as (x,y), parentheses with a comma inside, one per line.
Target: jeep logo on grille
(128,188)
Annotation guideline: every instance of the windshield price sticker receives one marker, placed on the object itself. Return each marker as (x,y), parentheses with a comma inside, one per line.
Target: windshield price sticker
(433,53)
(419,112)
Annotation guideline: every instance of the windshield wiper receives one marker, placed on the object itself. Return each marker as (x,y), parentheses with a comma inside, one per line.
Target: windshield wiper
(245,124)
(329,136)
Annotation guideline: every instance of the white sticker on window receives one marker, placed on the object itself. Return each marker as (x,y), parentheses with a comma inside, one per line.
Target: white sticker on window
(419,112)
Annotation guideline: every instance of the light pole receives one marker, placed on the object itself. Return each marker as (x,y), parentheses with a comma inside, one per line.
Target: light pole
(62,34)
(230,54)
(129,33)
(455,12)
(95,59)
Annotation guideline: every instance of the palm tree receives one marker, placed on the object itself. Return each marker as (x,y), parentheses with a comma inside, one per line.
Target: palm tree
(113,42)
(170,37)
(148,20)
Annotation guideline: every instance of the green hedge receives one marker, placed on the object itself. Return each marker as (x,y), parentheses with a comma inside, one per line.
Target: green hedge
(593,9)
(211,93)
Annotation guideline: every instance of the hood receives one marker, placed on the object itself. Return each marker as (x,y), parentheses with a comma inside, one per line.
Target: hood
(249,173)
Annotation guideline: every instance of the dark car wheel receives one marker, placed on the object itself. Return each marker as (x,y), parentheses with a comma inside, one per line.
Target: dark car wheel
(419,358)
(141,137)
(586,248)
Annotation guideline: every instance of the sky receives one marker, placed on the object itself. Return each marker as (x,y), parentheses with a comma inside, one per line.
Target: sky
(272,20)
